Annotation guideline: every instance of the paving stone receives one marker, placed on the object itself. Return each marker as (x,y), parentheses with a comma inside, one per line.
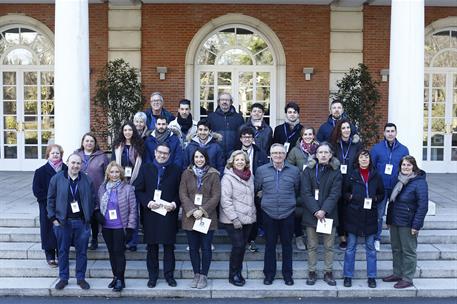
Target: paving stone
(360,289)
(15,250)
(217,270)
(138,288)
(447,251)
(26,286)
(437,269)
(436,288)
(98,288)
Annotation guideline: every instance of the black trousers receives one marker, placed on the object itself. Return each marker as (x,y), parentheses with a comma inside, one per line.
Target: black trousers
(115,241)
(258,223)
(238,237)
(152,261)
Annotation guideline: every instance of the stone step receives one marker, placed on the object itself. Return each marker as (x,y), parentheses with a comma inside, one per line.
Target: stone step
(218,269)
(11,250)
(220,288)
(28,234)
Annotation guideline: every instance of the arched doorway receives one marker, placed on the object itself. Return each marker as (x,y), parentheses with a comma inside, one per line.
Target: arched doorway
(27,95)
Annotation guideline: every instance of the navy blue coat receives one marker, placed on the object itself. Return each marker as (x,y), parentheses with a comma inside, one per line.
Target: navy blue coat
(151,119)
(41,180)
(175,149)
(357,220)
(214,150)
(263,136)
(326,129)
(381,155)
(411,205)
(228,125)
(350,151)
(283,134)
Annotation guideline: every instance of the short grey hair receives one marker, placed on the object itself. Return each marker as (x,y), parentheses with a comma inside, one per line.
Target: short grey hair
(140,116)
(234,154)
(158,94)
(325,143)
(277,145)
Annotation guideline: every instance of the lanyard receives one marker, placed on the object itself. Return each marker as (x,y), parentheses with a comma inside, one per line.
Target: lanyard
(73,193)
(345,155)
(391,151)
(366,184)
(128,154)
(291,135)
(86,160)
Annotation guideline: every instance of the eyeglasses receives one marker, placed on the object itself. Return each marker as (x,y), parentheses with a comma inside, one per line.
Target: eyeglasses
(162,153)
(246,137)
(277,153)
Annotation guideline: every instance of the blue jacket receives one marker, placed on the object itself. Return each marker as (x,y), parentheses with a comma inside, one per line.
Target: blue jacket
(381,155)
(227,124)
(175,148)
(214,150)
(151,119)
(263,136)
(411,205)
(326,129)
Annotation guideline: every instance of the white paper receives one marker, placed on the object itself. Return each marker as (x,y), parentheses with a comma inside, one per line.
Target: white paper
(388,169)
(74,207)
(157,195)
(325,226)
(367,203)
(202,225)
(112,214)
(344,169)
(161,210)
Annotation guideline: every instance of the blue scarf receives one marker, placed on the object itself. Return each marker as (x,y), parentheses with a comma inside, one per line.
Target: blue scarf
(200,172)
(160,170)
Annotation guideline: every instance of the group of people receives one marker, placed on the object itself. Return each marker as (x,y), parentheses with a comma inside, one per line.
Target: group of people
(223,172)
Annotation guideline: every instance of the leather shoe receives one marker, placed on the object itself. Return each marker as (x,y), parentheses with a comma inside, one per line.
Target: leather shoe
(403,284)
(328,278)
(391,278)
(312,278)
(61,284)
(171,282)
(152,283)
(83,284)
(113,282)
(347,282)
(289,281)
(236,280)
(118,286)
(267,281)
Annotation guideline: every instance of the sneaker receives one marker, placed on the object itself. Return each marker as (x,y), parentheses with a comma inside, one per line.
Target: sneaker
(343,245)
(252,247)
(328,278)
(202,282)
(347,282)
(312,278)
(194,282)
(372,282)
(83,284)
(61,284)
(300,243)
(377,245)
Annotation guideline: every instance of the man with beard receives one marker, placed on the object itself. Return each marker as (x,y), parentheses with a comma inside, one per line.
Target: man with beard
(184,123)
(336,113)
(289,132)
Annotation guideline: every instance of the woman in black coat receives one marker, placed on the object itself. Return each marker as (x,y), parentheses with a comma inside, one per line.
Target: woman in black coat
(40,186)
(164,176)
(363,190)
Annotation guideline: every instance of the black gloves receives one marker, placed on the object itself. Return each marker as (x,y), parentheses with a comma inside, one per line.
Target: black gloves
(128,235)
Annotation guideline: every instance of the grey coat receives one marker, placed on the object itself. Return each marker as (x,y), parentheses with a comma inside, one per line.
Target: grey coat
(329,191)
(279,189)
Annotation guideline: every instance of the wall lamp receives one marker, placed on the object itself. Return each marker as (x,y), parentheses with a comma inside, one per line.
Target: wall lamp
(308,72)
(384,75)
(162,71)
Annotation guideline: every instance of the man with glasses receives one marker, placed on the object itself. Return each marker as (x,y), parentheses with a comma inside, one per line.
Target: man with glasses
(156,110)
(279,182)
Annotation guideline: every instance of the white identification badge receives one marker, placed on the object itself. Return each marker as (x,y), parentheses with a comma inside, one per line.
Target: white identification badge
(304,167)
(286,146)
(128,171)
(112,214)
(344,169)
(388,169)
(74,207)
(198,199)
(367,203)
(316,194)
(157,195)
(325,226)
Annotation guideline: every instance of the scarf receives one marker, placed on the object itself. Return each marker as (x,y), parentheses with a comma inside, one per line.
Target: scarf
(57,165)
(109,186)
(243,174)
(185,123)
(402,181)
(290,123)
(203,144)
(161,137)
(310,148)
(256,123)
(200,172)
(160,170)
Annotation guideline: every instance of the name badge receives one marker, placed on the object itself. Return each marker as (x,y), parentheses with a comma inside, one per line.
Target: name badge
(344,169)
(128,171)
(112,214)
(157,195)
(388,169)
(316,194)
(74,207)
(286,146)
(198,199)
(367,203)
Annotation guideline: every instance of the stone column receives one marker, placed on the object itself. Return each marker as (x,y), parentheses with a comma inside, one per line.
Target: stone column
(406,81)
(72,101)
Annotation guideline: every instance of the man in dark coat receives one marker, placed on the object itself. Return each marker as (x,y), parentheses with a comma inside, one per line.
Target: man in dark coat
(226,121)
(336,113)
(71,202)
(321,185)
(263,134)
(156,110)
(156,183)
(288,133)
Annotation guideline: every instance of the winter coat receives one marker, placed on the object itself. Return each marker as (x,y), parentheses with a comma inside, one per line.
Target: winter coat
(411,205)
(329,191)
(210,190)
(213,148)
(184,137)
(351,147)
(126,201)
(237,199)
(227,124)
(279,189)
(326,129)
(134,158)
(281,137)
(175,148)
(151,119)
(158,229)
(263,136)
(382,155)
(57,204)
(95,167)
(41,180)
(357,220)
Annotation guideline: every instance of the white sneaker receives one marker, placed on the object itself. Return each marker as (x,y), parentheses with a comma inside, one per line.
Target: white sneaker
(377,245)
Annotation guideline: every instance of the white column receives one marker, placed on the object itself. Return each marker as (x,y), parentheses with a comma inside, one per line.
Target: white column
(406,81)
(72,101)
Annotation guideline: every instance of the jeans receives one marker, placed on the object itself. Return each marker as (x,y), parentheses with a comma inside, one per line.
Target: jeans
(115,241)
(349,256)
(152,261)
(381,211)
(196,242)
(313,242)
(284,228)
(79,231)
(239,238)
(404,255)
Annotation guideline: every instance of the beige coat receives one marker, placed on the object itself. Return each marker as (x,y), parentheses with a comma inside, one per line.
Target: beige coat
(211,191)
(237,199)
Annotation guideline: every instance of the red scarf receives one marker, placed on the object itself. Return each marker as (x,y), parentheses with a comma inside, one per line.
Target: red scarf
(365,173)
(244,175)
